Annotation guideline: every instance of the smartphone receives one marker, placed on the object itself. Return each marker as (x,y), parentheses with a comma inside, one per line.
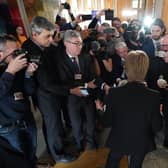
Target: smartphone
(86,17)
(109,14)
(84,91)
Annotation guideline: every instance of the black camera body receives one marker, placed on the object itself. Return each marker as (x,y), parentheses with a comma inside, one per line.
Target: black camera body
(99,49)
(135,27)
(66,5)
(18,52)
(34,58)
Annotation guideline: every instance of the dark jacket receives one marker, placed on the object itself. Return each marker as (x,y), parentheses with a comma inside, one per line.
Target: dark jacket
(12,108)
(67,72)
(148,47)
(133,112)
(46,76)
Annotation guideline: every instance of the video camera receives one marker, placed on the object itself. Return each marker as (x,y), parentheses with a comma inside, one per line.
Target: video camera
(99,48)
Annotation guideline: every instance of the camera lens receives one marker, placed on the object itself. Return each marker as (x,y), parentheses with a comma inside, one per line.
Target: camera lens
(18,52)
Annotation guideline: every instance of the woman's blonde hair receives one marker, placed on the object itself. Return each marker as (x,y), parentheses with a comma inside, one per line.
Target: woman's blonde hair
(136,65)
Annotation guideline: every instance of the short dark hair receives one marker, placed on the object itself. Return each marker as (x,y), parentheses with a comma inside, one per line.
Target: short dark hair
(116,18)
(39,23)
(4,39)
(159,22)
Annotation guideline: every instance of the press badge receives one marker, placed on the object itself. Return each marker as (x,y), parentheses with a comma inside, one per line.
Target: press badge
(78,76)
(18,96)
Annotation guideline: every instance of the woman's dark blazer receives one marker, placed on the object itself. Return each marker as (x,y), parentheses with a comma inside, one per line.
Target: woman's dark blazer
(133,113)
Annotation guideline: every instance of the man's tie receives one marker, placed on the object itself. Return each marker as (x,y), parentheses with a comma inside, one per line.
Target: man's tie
(76,66)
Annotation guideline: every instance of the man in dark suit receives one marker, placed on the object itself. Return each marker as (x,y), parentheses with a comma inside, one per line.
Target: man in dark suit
(133,112)
(49,95)
(151,44)
(76,75)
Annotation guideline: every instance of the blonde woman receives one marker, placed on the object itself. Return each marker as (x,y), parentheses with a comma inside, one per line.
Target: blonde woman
(132,111)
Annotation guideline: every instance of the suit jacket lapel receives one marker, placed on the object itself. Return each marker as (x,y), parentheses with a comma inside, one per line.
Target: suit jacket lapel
(81,64)
(69,63)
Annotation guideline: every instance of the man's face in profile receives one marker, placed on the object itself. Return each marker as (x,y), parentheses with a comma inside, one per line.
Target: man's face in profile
(44,39)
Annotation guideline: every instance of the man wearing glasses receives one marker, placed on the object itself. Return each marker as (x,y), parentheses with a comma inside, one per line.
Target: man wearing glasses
(77,76)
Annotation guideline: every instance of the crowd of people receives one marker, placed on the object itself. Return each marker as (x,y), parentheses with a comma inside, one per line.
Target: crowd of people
(70,74)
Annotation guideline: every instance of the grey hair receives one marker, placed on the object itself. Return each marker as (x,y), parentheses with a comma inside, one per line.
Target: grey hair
(39,23)
(120,44)
(69,34)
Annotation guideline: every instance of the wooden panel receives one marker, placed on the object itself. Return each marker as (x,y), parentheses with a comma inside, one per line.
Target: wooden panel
(123,5)
(164,12)
(149,7)
(108,4)
(99,5)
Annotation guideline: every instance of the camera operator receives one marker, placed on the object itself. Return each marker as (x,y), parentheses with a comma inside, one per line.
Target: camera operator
(99,49)
(133,36)
(17,124)
(112,36)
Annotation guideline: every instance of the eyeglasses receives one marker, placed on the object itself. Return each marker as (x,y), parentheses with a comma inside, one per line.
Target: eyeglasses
(76,43)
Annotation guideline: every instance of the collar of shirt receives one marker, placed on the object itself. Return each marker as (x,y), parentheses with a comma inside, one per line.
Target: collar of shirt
(76,57)
(42,48)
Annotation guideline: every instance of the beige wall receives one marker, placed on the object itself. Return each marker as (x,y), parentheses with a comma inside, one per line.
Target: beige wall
(48,8)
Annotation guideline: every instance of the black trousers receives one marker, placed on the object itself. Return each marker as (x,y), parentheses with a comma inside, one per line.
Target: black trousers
(82,112)
(164,100)
(135,161)
(50,106)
